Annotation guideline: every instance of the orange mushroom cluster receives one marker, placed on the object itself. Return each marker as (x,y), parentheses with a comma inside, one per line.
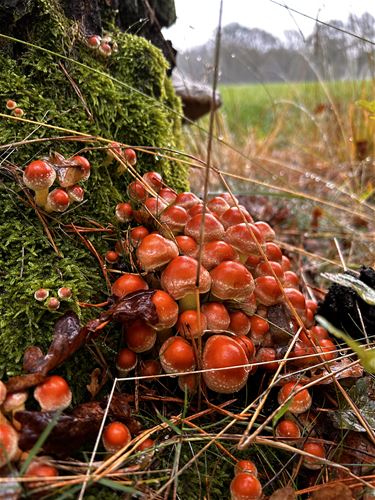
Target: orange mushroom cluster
(218,277)
(40,175)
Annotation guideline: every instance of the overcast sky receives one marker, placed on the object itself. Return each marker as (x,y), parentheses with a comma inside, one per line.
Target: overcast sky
(197,19)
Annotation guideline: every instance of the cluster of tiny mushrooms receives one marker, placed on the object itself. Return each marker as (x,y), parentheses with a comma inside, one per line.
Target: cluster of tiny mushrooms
(104,45)
(215,274)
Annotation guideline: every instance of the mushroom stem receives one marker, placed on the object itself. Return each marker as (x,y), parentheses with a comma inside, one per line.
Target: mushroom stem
(41,197)
(188,302)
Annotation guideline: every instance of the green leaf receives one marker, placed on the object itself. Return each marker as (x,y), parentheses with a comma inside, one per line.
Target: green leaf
(366,356)
(363,395)
(169,423)
(281,413)
(118,486)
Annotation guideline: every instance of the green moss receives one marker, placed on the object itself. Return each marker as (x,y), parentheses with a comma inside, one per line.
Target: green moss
(143,110)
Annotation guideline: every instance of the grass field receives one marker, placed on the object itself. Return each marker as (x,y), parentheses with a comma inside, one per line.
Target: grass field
(261,106)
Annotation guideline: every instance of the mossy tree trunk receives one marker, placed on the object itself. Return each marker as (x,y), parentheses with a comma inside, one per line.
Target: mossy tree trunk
(126,98)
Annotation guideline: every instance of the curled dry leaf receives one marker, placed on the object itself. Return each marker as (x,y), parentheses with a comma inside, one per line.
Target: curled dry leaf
(338,368)
(281,326)
(335,491)
(97,380)
(136,305)
(286,493)
(68,337)
(74,430)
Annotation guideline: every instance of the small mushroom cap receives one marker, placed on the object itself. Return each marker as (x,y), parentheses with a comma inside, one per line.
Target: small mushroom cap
(155,252)
(186,200)
(300,402)
(111,256)
(58,200)
(179,277)
(191,324)
(267,356)
(115,436)
(64,293)
(139,336)
(245,466)
(39,175)
(266,230)
(53,304)
(105,49)
(137,234)
(126,360)
(187,245)
(217,316)
(177,355)
(188,383)
(218,206)
(42,469)
(239,323)
(53,394)
(14,401)
(128,283)
(10,104)
(213,229)
(75,193)
(267,290)
(131,156)
(174,218)
(41,294)
(166,309)
(124,212)
(137,191)
(315,449)
(150,368)
(235,216)
(93,41)
(154,180)
(287,429)
(245,486)
(244,237)
(168,195)
(273,252)
(8,443)
(221,351)
(231,281)
(217,251)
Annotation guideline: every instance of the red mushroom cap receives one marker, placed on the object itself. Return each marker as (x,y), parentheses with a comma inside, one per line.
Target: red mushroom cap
(53,394)
(267,290)
(155,251)
(188,383)
(137,234)
(53,304)
(105,49)
(39,175)
(111,256)
(266,230)
(288,429)
(218,206)
(130,156)
(42,469)
(126,361)
(179,277)
(177,355)
(221,351)
(291,280)
(124,212)
(166,309)
(8,443)
(57,200)
(259,328)
(231,281)
(75,193)
(139,336)
(215,252)
(229,198)
(128,283)
(241,237)
(239,323)
(168,195)
(267,356)
(115,436)
(10,104)
(300,402)
(137,191)
(150,368)
(217,316)
(190,324)
(174,218)
(187,246)
(245,466)
(186,200)
(235,216)
(316,449)
(245,486)
(266,268)
(64,293)
(154,180)
(93,41)
(213,230)
(273,252)
(41,294)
